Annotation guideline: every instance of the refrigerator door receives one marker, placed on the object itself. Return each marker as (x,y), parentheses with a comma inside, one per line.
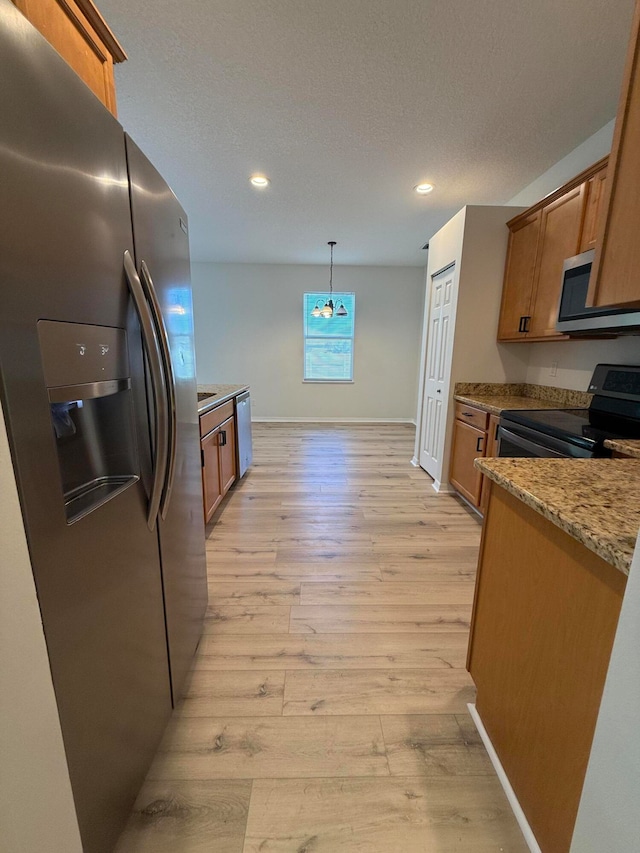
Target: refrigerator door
(64,225)
(162,258)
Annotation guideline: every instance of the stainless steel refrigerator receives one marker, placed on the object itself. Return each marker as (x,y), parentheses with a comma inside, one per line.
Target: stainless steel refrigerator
(97,379)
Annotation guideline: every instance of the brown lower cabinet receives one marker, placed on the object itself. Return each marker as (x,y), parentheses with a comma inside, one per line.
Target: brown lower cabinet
(227,450)
(468,444)
(475,434)
(211,489)
(491,451)
(218,453)
(544,619)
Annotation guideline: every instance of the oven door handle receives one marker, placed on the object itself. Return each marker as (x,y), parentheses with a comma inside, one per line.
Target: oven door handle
(538,450)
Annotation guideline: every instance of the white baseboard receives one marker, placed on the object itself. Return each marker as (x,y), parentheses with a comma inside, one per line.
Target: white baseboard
(442,488)
(415,462)
(519,815)
(259,420)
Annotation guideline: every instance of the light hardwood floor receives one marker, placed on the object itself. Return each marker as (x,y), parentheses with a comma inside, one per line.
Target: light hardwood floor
(327,707)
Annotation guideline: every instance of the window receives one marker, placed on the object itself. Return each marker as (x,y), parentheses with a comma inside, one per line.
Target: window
(328,341)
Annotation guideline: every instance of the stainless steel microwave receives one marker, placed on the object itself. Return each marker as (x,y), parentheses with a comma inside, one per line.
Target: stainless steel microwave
(576,318)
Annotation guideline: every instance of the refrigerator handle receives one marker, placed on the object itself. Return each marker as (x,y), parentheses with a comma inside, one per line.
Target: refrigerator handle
(152,349)
(170,383)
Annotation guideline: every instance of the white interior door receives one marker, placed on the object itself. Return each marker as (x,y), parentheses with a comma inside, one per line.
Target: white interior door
(437,372)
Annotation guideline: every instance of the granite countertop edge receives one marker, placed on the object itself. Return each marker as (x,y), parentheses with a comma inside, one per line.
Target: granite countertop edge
(629,446)
(613,550)
(496,397)
(495,405)
(229,392)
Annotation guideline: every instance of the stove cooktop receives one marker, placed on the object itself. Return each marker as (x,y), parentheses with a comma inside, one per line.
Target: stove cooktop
(578,426)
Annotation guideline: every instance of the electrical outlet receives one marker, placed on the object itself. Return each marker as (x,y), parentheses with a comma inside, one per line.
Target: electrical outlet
(554,369)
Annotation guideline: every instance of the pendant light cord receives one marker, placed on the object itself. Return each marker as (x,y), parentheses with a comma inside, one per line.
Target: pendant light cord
(332,244)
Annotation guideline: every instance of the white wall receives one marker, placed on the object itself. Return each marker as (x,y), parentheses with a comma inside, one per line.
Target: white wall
(248,322)
(576,360)
(609,817)
(36,804)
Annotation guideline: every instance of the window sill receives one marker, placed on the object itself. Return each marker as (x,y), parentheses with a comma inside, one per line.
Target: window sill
(327,381)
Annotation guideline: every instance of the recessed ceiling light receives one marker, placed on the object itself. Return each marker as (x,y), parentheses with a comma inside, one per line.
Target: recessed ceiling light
(423,189)
(259,181)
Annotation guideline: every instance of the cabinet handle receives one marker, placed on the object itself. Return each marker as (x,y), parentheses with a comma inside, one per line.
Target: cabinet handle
(521,325)
(223,436)
(526,324)
(467,414)
(479,444)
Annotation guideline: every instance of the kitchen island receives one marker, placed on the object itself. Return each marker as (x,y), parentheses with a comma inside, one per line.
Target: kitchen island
(556,547)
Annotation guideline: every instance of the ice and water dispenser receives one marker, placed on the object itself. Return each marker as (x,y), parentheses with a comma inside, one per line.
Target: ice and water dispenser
(88,382)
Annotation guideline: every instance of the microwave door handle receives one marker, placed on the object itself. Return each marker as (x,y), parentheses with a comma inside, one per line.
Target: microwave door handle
(170,384)
(154,358)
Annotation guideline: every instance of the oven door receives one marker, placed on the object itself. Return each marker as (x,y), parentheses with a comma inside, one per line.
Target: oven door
(518,440)
(512,444)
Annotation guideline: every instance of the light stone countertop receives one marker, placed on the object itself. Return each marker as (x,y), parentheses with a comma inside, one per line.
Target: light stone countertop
(496,404)
(629,446)
(219,394)
(495,397)
(596,501)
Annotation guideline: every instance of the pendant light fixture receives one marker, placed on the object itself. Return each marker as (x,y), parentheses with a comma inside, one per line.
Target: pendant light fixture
(328,309)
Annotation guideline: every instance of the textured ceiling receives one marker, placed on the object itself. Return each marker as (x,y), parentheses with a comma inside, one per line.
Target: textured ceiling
(347,104)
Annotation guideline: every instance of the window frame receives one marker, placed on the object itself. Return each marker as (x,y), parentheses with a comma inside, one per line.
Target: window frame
(318,294)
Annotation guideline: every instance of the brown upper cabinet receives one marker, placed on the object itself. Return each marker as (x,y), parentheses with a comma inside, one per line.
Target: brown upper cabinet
(540,239)
(614,278)
(81,36)
(594,210)
(518,275)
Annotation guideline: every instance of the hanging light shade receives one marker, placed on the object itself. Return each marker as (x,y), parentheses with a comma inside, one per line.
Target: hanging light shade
(329,309)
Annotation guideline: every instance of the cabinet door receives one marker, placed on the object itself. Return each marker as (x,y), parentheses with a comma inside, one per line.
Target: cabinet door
(559,239)
(78,32)
(544,618)
(615,279)
(212,492)
(491,451)
(518,278)
(227,448)
(593,210)
(468,444)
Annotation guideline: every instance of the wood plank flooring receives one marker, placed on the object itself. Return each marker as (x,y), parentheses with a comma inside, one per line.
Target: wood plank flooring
(326,710)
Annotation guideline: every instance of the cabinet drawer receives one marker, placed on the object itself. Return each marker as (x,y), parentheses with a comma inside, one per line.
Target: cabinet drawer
(471,415)
(215,417)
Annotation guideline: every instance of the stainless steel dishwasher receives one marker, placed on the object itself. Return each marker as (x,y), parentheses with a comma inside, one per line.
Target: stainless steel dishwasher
(243,420)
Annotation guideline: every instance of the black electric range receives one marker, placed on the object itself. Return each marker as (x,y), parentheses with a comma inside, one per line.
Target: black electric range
(614,413)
